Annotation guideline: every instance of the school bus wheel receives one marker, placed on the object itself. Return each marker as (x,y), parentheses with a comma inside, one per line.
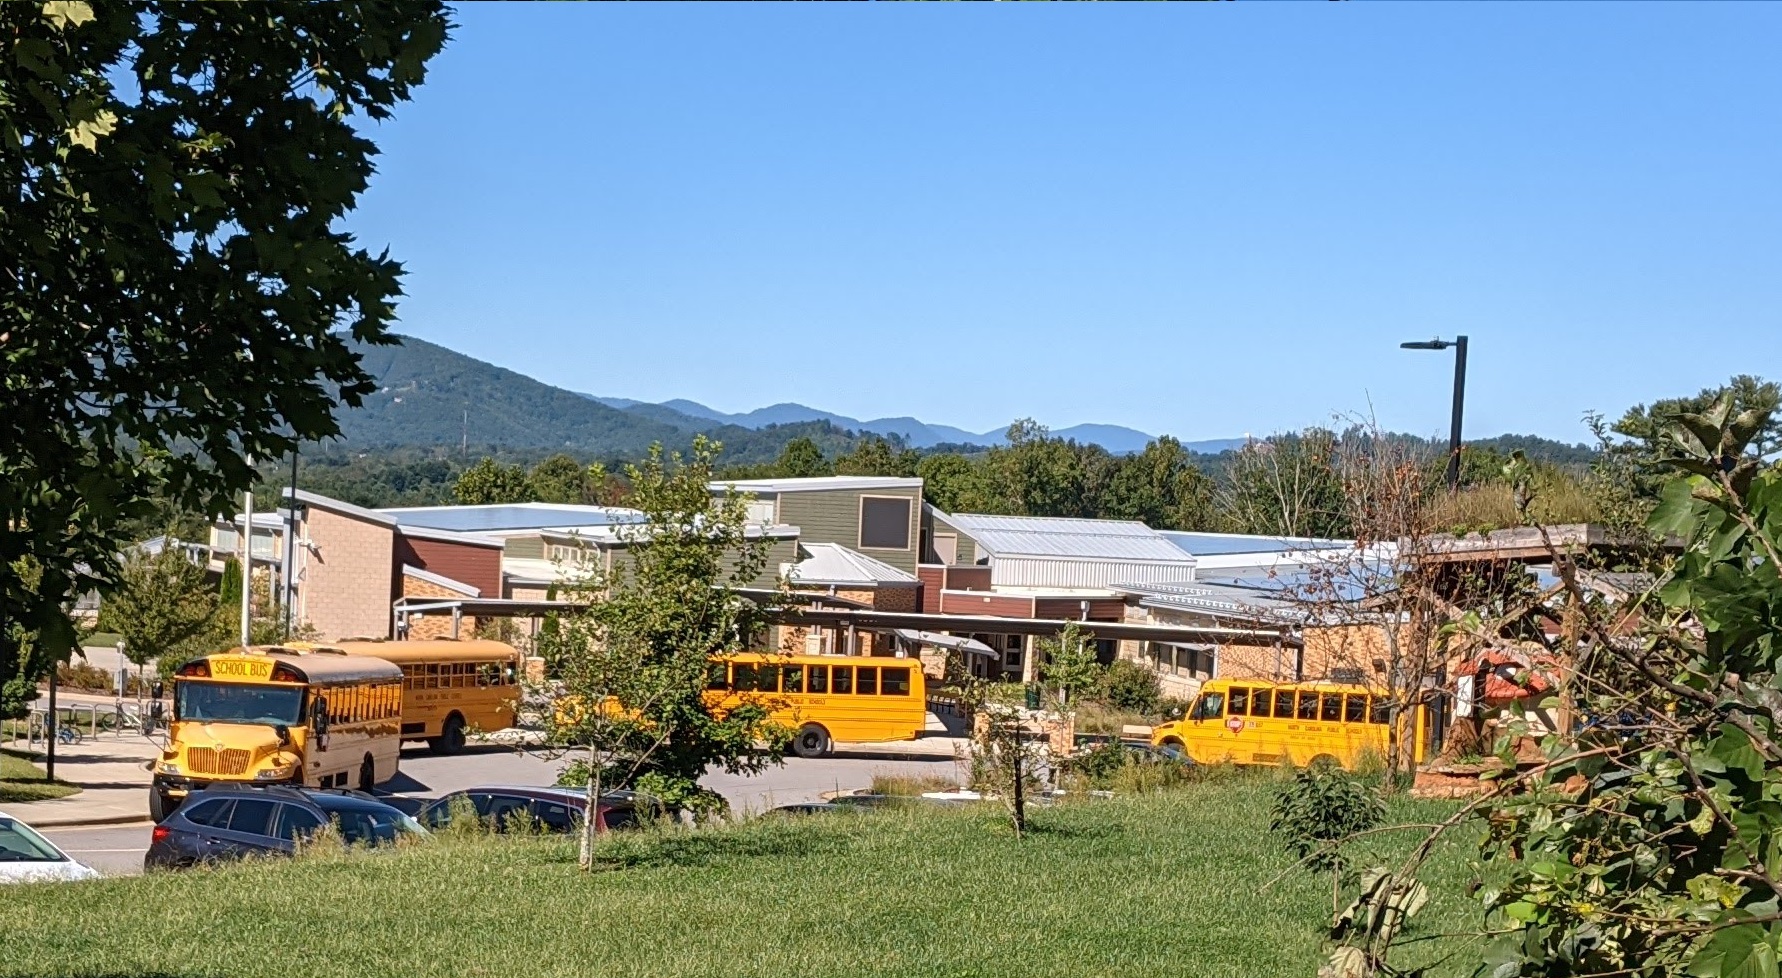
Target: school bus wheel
(451,736)
(1175,742)
(811,741)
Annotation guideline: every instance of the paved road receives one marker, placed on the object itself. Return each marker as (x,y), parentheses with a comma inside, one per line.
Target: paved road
(117,850)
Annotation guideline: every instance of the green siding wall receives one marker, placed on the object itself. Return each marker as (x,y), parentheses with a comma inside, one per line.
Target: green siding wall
(968,548)
(833,516)
(524,547)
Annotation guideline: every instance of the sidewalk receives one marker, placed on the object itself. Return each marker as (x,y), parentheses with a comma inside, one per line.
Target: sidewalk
(113,775)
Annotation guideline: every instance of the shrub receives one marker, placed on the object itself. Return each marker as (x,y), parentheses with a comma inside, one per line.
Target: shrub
(1318,808)
(1126,685)
(911,784)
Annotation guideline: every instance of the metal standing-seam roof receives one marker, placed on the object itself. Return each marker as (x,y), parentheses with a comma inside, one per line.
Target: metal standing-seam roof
(1048,536)
(820,483)
(509,516)
(832,563)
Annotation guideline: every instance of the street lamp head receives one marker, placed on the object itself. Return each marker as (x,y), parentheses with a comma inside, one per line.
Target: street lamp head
(1426,345)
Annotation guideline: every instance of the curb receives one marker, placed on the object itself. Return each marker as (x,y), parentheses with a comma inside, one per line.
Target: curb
(75,823)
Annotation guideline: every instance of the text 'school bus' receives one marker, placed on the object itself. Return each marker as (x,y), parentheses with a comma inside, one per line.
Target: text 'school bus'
(1259,722)
(826,698)
(276,715)
(450,687)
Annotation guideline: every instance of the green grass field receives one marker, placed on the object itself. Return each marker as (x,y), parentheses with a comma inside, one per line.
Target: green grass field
(1169,885)
(20,780)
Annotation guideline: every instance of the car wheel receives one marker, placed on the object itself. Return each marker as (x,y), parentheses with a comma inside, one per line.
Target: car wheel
(811,741)
(451,737)
(158,810)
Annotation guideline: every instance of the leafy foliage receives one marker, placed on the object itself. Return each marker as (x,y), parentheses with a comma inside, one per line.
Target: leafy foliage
(1067,664)
(489,481)
(632,666)
(1126,685)
(162,604)
(1317,809)
(179,296)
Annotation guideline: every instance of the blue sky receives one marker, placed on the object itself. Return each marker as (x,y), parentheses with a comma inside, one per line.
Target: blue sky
(1205,220)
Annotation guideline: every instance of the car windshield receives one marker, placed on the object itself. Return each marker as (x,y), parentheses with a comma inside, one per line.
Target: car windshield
(238,703)
(371,826)
(19,844)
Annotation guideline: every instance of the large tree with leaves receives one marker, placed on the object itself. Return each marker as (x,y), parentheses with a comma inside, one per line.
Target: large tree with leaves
(177,293)
(162,604)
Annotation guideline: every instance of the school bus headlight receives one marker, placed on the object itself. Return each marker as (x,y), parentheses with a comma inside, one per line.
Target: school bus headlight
(271,774)
(168,767)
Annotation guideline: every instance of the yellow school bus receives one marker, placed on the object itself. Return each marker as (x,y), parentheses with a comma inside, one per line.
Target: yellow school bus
(1260,722)
(451,687)
(277,715)
(826,698)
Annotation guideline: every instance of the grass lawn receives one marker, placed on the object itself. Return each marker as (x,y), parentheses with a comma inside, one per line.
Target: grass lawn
(20,780)
(1167,885)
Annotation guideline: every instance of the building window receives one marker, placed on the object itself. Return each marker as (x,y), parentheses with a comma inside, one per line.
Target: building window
(885,522)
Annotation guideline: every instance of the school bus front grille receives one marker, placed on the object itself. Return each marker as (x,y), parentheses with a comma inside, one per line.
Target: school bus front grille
(209,760)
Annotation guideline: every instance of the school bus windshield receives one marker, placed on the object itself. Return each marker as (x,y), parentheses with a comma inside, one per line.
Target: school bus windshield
(232,703)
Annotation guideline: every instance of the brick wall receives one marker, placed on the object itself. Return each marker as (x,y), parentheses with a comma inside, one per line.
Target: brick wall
(435,624)
(345,589)
(472,564)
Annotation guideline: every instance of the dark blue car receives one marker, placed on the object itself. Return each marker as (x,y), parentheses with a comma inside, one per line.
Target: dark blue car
(222,823)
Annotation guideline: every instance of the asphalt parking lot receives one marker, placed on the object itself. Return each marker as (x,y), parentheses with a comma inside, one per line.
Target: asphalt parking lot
(117,850)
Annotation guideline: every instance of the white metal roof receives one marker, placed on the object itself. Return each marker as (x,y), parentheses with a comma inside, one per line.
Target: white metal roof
(832,563)
(1206,544)
(1048,536)
(449,536)
(817,484)
(331,504)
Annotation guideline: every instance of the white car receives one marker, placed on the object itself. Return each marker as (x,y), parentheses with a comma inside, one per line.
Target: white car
(26,857)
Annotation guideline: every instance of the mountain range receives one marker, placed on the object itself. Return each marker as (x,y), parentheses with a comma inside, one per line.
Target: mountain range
(694,416)
(431,395)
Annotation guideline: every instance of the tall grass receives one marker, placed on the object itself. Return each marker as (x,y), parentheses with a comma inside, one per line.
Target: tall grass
(1173,884)
(1558,499)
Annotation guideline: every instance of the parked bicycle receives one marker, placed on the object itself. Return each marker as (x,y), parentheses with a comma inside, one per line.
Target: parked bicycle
(68,733)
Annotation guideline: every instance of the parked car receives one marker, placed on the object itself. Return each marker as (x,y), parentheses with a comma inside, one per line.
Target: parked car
(552,809)
(26,857)
(811,808)
(225,822)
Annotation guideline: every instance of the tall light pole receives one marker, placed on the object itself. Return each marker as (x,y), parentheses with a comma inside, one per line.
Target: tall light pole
(1459,345)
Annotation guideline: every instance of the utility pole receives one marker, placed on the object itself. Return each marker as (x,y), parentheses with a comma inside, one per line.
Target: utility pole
(290,573)
(247,562)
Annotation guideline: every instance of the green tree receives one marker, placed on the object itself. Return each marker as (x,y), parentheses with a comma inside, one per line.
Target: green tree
(1316,811)
(951,482)
(801,458)
(644,641)
(873,455)
(560,479)
(1644,427)
(489,481)
(1162,488)
(161,604)
(1038,475)
(1068,667)
(179,297)
(1287,486)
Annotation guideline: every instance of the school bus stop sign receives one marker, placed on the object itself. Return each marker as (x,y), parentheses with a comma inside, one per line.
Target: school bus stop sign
(1234,724)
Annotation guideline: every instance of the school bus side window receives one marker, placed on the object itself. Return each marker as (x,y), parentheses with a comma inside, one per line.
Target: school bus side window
(1332,710)
(792,679)
(1355,708)
(1209,706)
(1308,705)
(1259,702)
(717,675)
(866,680)
(1381,712)
(1284,704)
(1240,701)
(819,681)
(894,682)
(842,679)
